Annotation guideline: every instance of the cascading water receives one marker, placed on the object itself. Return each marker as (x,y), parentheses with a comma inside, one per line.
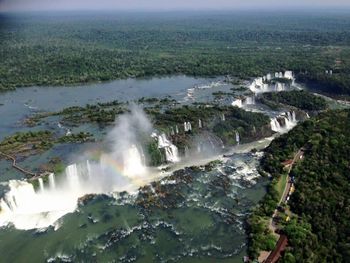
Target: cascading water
(200,123)
(237,103)
(133,164)
(41,184)
(122,169)
(72,176)
(279,86)
(237,137)
(223,117)
(186,151)
(171,151)
(249,100)
(245,101)
(52,182)
(288,122)
(259,85)
(275,125)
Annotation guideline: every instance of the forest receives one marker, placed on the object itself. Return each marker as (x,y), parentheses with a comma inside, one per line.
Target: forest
(303,100)
(66,48)
(319,228)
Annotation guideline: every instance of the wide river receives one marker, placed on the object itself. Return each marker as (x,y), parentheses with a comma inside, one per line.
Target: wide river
(201,220)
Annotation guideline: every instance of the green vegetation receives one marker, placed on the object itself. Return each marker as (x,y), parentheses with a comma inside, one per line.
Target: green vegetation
(301,99)
(27,143)
(156,155)
(261,237)
(250,125)
(102,113)
(80,137)
(319,229)
(57,49)
(281,184)
(35,142)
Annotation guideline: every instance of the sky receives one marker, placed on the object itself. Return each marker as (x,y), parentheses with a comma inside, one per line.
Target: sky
(40,5)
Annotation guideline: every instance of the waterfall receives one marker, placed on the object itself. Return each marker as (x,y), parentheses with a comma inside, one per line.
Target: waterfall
(237,103)
(258,85)
(289,119)
(72,176)
(186,151)
(200,123)
(88,168)
(280,86)
(237,137)
(268,77)
(223,117)
(288,75)
(275,125)
(177,129)
(27,209)
(187,126)
(172,132)
(133,164)
(52,182)
(307,115)
(171,151)
(249,100)
(41,184)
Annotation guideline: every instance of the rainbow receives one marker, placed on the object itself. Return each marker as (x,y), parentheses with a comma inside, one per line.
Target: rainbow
(113,165)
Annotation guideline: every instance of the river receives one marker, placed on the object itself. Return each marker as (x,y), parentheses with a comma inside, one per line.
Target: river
(200,219)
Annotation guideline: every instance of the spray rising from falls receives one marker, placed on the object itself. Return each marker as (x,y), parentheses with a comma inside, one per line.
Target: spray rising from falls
(122,168)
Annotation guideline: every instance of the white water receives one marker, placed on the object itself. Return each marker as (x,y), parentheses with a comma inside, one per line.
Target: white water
(237,137)
(41,184)
(122,169)
(133,162)
(259,85)
(237,103)
(200,124)
(52,181)
(243,102)
(171,151)
(187,126)
(288,120)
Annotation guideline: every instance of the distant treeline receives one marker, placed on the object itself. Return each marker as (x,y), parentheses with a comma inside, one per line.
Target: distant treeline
(79,48)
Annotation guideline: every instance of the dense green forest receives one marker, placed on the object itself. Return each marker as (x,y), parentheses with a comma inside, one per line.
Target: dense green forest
(69,48)
(301,99)
(320,206)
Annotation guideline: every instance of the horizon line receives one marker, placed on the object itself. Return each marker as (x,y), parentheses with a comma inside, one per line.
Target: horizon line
(170,10)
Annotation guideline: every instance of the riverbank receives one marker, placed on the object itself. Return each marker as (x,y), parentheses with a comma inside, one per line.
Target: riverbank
(287,218)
